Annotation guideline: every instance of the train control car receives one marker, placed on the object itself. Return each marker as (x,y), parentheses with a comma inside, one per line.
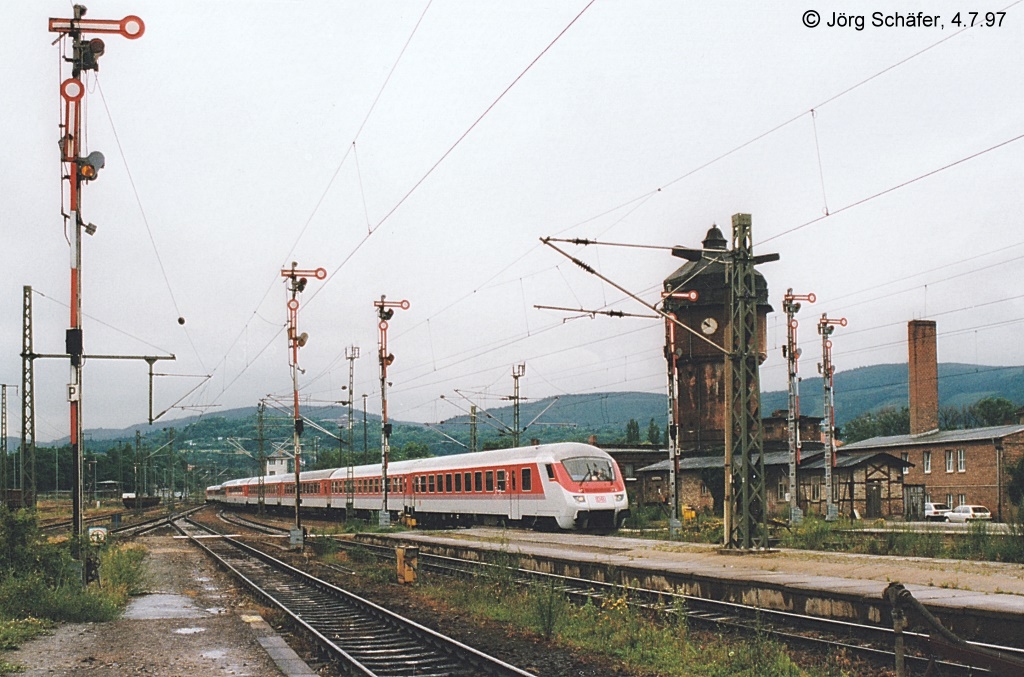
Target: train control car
(566,486)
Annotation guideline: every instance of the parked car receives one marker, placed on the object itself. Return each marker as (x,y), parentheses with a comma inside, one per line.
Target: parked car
(936,512)
(968,513)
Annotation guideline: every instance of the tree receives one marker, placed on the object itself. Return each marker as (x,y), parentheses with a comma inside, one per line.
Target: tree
(653,433)
(632,432)
(413,450)
(992,411)
(885,423)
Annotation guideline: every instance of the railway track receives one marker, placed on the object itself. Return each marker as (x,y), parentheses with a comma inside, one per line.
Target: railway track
(364,638)
(867,642)
(872,643)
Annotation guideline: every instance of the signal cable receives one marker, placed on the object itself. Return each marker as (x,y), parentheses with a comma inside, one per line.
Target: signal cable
(145,221)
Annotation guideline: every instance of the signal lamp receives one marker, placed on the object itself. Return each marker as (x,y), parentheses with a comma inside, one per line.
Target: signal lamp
(301,340)
(386,313)
(300,285)
(389,359)
(89,167)
(90,52)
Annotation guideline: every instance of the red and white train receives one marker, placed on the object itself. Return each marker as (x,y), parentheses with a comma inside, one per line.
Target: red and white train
(566,485)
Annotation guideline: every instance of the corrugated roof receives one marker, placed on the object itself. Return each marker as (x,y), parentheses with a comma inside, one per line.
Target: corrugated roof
(938,437)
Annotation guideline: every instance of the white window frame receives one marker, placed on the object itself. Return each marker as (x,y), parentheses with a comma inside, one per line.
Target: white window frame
(962,498)
(927,462)
(949,501)
(949,460)
(906,457)
(961,460)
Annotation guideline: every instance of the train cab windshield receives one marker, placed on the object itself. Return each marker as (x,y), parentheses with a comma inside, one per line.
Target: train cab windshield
(590,469)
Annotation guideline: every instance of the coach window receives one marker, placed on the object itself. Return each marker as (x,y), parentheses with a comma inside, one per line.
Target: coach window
(440,483)
(501,481)
(430,483)
(448,483)
(467,482)
(527,480)
(458,483)
(551,470)
(490,481)
(478,481)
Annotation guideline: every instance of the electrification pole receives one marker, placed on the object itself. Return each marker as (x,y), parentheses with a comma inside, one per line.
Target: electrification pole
(518,371)
(746,494)
(351,354)
(385,311)
(261,487)
(28,404)
(85,54)
(825,327)
(296,282)
(3,441)
(792,355)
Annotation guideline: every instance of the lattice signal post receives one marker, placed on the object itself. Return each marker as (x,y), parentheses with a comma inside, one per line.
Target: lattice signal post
(826,326)
(296,280)
(790,303)
(385,311)
(85,55)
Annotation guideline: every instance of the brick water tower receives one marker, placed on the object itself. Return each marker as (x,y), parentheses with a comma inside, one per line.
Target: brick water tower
(701,408)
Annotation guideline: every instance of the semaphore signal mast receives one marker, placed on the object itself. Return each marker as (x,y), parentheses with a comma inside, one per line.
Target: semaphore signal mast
(81,169)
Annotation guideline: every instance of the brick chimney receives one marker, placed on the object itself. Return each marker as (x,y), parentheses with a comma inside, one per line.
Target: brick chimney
(924,377)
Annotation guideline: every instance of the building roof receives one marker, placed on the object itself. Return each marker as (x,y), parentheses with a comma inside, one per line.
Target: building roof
(937,437)
(809,461)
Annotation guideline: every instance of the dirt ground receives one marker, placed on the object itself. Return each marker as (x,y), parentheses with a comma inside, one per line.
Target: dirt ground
(190,623)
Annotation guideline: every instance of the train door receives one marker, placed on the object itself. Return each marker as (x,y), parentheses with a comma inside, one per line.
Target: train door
(512,486)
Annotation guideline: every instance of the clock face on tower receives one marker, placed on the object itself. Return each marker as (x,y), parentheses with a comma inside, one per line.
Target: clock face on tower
(709,325)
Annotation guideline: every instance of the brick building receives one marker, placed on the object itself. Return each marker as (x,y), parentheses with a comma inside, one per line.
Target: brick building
(956,466)
(948,466)
(867,484)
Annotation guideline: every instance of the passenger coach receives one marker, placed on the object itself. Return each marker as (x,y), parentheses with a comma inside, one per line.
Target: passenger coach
(566,485)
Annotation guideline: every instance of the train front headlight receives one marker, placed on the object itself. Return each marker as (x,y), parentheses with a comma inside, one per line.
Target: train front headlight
(619,497)
(580,499)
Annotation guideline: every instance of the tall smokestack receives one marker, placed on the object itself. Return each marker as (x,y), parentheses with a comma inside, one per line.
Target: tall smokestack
(924,377)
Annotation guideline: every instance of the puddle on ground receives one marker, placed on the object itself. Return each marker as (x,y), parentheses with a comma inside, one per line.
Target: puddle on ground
(216,610)
(189,631)
(214,653)
(162,605)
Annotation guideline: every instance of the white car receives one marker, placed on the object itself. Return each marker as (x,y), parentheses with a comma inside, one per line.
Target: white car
(969,513)
(936,512)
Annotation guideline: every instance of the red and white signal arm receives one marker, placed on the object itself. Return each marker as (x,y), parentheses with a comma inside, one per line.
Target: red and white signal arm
(131,27)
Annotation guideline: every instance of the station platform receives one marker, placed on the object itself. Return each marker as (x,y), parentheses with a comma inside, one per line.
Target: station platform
(979,601)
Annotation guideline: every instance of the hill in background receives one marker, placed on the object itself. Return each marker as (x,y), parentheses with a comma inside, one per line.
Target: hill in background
(571,417)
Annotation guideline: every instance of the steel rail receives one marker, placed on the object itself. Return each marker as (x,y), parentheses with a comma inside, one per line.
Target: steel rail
(719,614)
(365,637)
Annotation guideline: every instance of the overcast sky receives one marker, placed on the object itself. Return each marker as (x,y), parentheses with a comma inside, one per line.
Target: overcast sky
(242,136)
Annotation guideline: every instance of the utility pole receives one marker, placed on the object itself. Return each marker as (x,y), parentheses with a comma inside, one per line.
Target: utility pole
(351,354)
(792,355)
(296,282)
(825,327)
(80,169)
(138,459)
(385,311)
